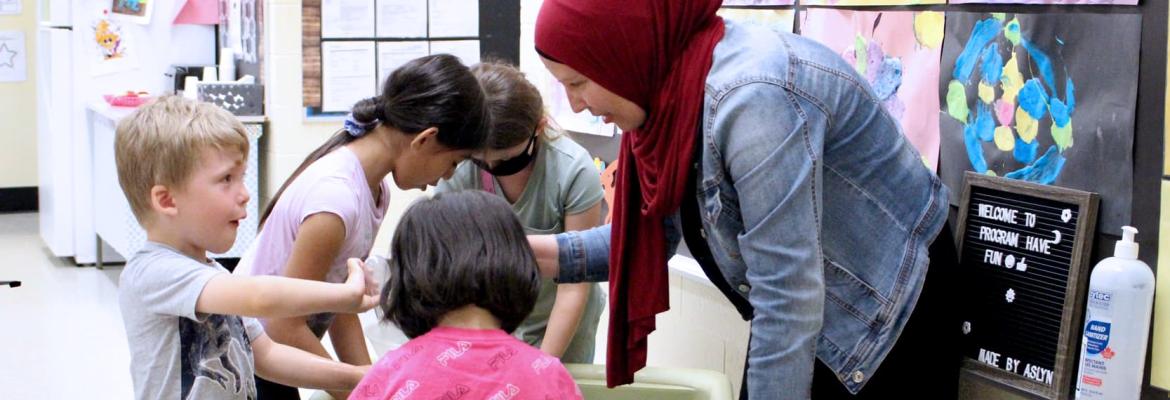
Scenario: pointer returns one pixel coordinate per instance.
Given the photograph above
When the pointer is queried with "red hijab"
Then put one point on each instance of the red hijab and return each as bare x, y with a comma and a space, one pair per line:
656, 54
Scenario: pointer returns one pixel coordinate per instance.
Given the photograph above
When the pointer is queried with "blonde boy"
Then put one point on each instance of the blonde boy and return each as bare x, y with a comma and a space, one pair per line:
181, 165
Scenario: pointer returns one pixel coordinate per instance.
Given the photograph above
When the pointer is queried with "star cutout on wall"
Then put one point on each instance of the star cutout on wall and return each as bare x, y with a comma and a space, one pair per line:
7, 56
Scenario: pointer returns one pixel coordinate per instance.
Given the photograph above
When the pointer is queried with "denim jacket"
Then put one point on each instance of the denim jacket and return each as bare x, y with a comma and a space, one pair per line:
815, 207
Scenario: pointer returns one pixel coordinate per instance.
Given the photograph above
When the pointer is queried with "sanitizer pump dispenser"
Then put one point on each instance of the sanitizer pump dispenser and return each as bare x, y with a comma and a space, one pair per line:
1117, 325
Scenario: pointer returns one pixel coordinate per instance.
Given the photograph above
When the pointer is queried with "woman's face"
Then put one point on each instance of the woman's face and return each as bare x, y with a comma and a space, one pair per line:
584, 94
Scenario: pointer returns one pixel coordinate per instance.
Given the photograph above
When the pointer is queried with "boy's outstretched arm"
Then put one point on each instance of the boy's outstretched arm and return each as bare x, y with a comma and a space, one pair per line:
291, 366
274, 296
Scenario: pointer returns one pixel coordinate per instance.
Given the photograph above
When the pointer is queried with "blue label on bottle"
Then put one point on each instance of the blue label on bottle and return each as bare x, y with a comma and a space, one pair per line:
1096, 336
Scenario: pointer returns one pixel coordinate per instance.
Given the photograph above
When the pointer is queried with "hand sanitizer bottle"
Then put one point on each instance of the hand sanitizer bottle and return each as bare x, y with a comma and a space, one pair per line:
1117, 325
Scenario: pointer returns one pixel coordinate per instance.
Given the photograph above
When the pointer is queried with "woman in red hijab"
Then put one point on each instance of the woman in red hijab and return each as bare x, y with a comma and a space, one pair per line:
793, 187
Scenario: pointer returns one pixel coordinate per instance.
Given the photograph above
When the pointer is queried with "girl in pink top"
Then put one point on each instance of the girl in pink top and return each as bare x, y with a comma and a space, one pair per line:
429, 117
462, 278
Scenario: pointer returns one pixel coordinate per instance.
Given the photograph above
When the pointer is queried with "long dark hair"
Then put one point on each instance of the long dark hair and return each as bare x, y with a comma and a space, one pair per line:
459, 248
432, 91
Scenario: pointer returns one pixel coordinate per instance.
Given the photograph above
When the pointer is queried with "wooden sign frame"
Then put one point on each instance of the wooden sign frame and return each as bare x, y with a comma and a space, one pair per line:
1068, 344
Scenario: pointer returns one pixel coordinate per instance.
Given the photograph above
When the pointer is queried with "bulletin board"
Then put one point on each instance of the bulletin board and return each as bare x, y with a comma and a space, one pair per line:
1107, 135
350, 46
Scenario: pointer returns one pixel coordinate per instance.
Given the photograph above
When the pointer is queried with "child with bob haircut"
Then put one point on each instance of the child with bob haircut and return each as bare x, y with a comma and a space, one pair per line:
462, 278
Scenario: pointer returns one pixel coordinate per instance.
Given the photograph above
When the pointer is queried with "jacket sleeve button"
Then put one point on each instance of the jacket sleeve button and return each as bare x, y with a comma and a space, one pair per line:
858, 377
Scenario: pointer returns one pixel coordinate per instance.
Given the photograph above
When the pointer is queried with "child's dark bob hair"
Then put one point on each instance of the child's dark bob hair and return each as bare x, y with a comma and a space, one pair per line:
455, 249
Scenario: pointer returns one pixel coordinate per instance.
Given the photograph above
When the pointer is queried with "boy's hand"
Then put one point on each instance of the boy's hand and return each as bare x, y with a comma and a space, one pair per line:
361, 281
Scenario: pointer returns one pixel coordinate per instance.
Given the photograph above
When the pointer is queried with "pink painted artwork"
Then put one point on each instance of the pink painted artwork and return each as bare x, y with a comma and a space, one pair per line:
898, 54
1072, 2
852, 3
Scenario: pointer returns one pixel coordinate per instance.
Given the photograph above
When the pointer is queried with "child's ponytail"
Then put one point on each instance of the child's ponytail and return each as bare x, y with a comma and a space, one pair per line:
432, 91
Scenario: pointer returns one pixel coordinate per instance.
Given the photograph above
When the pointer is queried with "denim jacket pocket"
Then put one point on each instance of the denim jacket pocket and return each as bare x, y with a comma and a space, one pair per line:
721, 213
849, 295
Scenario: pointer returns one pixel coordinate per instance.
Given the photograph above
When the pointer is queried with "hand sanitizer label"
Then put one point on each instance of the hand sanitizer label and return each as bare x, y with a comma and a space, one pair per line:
1100, 301
1097, 337
1094, 358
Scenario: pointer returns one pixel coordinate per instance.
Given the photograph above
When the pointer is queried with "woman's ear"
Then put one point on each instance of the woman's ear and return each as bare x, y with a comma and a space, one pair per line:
427, 137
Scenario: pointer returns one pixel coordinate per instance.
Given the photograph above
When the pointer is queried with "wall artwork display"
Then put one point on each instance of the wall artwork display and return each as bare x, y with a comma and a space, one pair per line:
897, 52
1043, 98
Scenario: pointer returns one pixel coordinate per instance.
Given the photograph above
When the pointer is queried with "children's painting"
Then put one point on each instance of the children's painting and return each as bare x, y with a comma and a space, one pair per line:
1093, 2
1042, 98
108, 36
853, 3
781, 20
110, 50
131, 10
898, 54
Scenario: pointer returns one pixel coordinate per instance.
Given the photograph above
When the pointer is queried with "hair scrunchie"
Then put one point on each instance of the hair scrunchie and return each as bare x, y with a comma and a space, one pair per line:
358, 129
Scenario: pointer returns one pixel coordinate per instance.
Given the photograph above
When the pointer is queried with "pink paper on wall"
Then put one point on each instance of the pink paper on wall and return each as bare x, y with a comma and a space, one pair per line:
199, 12
869, 2
1094, 2
897, 52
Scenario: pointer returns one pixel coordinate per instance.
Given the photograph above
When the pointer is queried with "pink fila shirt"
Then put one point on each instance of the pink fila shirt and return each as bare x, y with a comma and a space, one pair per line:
452, 363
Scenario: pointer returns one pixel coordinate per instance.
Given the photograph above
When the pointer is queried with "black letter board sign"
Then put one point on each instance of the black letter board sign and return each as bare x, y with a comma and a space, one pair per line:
1023, 251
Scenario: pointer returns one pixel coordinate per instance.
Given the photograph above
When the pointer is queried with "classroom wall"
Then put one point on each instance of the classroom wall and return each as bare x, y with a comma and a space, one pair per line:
18, 113
1160, 343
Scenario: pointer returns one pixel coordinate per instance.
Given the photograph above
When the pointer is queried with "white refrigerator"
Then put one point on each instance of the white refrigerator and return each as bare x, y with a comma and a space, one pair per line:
73, 72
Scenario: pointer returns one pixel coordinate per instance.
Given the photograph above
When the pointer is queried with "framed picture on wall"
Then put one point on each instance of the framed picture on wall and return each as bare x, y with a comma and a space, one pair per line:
137, 11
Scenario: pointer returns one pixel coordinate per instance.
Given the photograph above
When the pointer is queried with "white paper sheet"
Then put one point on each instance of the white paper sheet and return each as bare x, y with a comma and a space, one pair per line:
392, 55
13, 59
9, 7
466, 50
348, 74
454, 18
110, 48
402, 19
347, 18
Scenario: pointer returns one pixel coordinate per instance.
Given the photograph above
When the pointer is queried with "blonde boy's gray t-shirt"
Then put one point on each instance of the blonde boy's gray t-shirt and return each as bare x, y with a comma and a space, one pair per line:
176, 353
